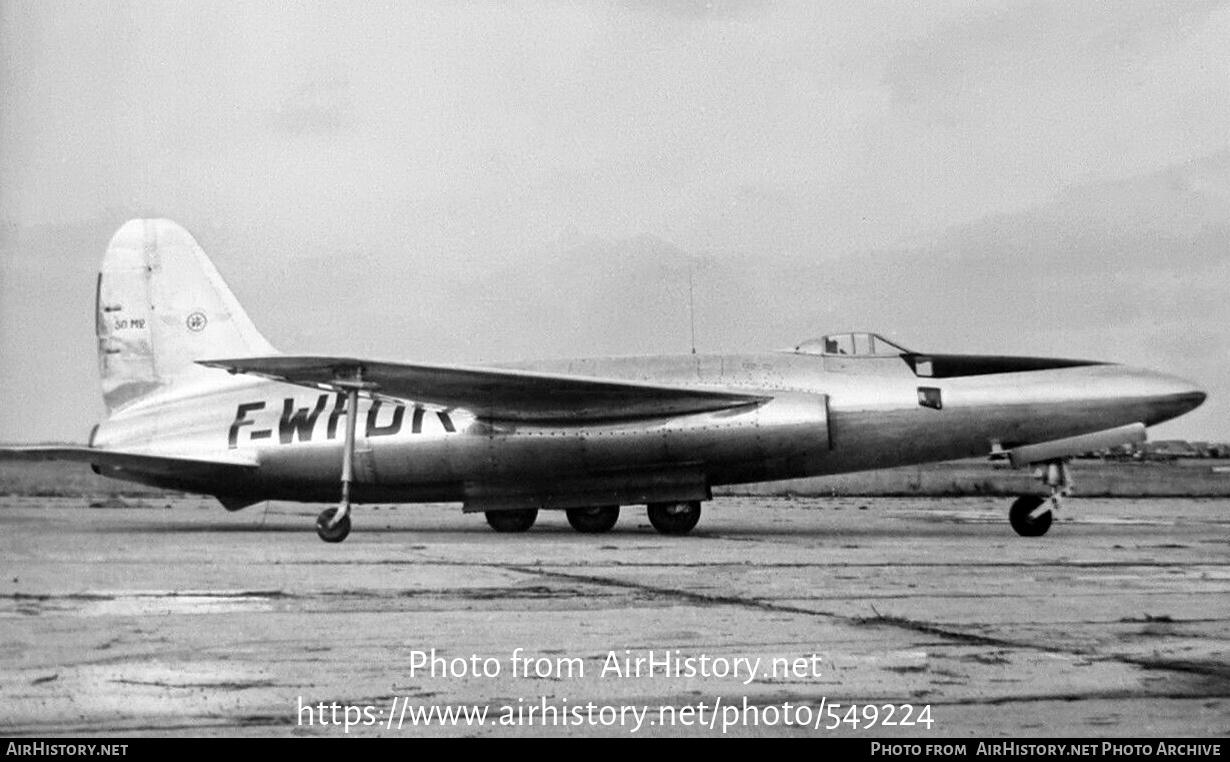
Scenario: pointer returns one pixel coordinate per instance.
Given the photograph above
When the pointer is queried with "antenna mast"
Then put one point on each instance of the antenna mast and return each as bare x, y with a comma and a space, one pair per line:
691, 303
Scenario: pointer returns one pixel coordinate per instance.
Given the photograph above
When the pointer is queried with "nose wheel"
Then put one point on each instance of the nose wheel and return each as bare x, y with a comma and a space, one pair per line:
1030, 516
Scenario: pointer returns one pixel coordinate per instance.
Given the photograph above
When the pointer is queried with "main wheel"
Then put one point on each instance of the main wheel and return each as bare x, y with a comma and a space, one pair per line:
1024, 521
512, 521
335, 533
674, 518
593, 520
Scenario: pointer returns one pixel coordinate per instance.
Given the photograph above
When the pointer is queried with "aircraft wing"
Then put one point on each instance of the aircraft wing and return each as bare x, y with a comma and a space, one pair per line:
147, 464
494, 393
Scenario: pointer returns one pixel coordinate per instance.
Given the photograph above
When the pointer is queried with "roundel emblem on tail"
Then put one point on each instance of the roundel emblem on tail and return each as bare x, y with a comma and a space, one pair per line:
197, 322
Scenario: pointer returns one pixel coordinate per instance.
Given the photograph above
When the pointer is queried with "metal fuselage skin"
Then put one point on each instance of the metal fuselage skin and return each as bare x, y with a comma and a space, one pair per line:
828, 414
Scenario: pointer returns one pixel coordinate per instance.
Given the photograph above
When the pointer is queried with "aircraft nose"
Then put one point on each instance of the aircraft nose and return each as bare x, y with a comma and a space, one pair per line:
1169, 396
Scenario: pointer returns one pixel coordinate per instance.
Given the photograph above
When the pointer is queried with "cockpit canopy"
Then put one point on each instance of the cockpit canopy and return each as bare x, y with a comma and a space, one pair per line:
851, 344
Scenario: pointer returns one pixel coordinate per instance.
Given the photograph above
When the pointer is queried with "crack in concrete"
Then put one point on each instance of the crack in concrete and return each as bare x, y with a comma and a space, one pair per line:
1217, 672
787, 564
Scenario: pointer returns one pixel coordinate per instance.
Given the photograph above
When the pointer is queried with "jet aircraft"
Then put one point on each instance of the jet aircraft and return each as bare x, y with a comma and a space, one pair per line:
197, 400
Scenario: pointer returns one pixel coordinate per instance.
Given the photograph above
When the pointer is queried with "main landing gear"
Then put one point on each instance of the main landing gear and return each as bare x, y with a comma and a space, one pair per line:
333, 524
512, 521
1031, 515
594, 520
676, 518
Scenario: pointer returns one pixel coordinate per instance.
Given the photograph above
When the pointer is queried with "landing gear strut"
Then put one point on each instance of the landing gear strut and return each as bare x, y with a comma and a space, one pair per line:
674, 518
333, 524
1030, 515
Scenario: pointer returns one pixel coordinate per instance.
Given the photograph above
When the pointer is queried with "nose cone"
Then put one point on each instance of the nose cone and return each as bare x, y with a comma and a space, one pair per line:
1167, 396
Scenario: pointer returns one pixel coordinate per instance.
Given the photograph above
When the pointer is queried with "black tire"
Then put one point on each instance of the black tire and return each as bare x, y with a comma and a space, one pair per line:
674, 518
1025, 524
512, 521
335, 533
594, 519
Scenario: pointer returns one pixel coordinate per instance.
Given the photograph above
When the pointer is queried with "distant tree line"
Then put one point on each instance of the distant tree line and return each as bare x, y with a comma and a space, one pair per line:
1170, 449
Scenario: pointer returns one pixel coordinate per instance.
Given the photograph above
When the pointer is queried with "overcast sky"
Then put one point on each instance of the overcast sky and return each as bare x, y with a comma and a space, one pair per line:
423, 146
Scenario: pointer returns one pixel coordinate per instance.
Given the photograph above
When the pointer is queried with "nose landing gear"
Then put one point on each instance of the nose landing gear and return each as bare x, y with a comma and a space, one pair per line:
1030, 515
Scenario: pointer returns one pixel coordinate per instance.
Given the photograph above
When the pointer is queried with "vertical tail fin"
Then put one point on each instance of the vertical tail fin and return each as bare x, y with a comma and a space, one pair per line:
162, 306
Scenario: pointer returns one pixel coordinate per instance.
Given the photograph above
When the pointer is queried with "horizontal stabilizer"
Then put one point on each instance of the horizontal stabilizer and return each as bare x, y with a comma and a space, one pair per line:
494, 393
161, 465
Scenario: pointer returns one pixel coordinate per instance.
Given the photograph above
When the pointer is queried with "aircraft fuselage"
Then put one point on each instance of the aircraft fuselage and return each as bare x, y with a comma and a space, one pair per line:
828, 414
